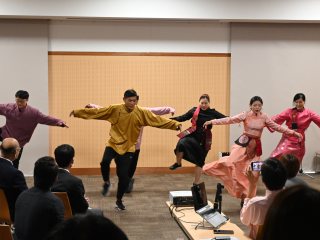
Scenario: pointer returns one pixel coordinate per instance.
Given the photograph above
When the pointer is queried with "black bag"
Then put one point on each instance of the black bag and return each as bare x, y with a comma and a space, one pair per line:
243, 140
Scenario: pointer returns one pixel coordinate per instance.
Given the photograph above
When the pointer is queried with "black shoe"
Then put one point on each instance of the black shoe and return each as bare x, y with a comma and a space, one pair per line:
106, 189
120, 206
175, 166
130, 186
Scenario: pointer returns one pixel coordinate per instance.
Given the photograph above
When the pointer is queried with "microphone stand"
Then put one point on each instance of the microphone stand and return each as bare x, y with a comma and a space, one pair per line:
218, 199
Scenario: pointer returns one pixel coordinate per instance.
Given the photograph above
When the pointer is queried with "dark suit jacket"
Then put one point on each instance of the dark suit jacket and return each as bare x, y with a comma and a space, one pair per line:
12, 182
66, 182
37, 213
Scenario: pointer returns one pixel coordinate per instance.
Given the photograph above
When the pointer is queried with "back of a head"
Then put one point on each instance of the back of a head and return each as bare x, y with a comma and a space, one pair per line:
87, 227
45, 173
294, 214
22, 94
273, 174
291, 164
9, 148
64, 155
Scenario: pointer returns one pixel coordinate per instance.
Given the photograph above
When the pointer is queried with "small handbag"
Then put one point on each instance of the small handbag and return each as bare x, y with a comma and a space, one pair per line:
243, 140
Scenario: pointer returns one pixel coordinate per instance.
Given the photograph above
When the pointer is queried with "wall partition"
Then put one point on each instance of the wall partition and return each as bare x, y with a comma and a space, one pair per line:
24, 65
176, 80
276, 61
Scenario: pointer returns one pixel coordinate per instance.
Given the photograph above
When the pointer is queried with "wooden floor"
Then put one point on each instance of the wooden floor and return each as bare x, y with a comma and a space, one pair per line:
147, 217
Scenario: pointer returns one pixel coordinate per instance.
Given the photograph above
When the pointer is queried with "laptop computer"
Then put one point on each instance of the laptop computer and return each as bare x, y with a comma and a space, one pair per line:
207, 212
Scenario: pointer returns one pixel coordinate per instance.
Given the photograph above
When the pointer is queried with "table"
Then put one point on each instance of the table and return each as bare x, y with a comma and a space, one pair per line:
192, 224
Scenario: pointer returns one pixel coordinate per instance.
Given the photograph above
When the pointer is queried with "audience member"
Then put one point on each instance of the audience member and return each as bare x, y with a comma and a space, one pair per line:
292, 165
12, 180
254, 209
66, 182
294, 214
37, 209
87, 227
22, 119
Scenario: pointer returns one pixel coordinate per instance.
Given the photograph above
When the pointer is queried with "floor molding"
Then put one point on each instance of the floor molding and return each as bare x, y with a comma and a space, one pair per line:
141, 170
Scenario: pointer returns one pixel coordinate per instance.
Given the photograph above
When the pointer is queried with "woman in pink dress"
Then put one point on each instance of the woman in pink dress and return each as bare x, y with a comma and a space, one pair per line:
231, 169
298, 119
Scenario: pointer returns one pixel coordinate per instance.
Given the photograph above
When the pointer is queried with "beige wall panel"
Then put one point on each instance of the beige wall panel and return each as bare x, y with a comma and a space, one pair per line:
176, 81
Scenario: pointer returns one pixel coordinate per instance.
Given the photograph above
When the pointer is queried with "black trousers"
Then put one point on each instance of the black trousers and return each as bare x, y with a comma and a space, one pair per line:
134, 162
123, 164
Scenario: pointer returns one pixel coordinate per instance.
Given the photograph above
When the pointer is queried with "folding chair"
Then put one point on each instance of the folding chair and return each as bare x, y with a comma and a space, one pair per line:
4, 209
65, 200
5, 232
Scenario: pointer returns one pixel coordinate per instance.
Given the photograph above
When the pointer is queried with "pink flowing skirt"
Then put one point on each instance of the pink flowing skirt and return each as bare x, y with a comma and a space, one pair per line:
231, 170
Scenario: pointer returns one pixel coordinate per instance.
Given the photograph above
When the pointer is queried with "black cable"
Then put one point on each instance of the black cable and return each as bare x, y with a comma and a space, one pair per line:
184, 215
210, 227
184, 208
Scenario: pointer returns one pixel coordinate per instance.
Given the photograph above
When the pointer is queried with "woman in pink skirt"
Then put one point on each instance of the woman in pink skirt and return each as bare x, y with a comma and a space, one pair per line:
298, 119
231, 169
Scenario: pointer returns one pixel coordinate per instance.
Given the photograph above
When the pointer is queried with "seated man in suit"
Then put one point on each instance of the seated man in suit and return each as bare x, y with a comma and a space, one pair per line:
38, 210
70, 184
12, 180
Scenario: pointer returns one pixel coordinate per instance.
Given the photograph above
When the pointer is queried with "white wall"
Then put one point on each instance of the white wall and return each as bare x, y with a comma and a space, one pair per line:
276, 61
24, 65
271, 60
139, 37
24, 47
225, 10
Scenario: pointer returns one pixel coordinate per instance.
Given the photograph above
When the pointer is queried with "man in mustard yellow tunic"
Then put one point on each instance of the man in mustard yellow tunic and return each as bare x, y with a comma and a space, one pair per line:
126, 121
